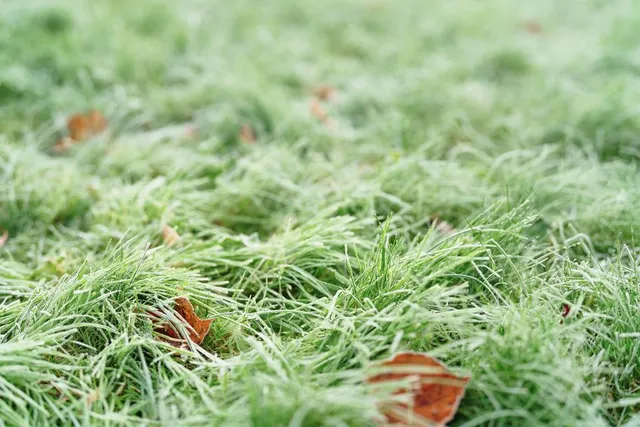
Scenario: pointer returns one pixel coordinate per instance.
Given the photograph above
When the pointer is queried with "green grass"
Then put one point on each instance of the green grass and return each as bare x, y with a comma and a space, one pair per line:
320, 250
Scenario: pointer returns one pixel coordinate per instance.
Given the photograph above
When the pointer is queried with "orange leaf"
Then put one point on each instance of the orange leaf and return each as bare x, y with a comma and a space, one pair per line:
170, 235
324, 93
198, 328
247, 135
436, 391
85, 126
4, 238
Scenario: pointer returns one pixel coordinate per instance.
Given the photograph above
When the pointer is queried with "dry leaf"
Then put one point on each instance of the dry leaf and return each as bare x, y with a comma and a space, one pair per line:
247, 135
169, 235
198, 328
318, 111
325, 93
532, 27
93, 396
85, 126
4, 238
436, 391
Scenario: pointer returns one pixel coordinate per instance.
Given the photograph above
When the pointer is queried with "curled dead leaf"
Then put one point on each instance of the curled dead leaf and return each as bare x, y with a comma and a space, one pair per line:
4, 238
324, 93
198, 328
85, 126
169, 235
247, 135
436, 391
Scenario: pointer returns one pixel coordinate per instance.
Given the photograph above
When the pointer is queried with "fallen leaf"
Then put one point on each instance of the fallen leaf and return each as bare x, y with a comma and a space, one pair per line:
532, 27
198, 328
566, 309
169, 235
93, 396
319, 112
4, 238
247, 135
85, 126
324, 93
436, 391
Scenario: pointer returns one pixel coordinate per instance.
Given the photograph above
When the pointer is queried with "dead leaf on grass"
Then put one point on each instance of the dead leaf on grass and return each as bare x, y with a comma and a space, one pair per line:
247, 135
169, 235
198, 328
85, 126
436, 391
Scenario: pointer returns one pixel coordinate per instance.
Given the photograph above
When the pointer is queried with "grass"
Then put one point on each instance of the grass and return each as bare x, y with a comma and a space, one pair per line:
475, 178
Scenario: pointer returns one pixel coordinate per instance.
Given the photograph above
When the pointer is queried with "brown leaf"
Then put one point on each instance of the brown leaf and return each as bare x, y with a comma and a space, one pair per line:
198, 328
532, 27
169, 235
319, 112
436, 391
324, 93
85, 126
247, 135
4, 238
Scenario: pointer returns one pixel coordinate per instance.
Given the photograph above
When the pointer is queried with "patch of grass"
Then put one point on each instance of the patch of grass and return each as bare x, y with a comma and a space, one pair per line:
474, 178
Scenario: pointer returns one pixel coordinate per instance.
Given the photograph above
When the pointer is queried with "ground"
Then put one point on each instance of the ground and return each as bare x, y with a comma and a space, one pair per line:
470, 190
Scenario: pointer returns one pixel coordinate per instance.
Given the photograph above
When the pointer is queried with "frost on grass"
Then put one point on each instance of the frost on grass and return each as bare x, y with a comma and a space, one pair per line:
317, 249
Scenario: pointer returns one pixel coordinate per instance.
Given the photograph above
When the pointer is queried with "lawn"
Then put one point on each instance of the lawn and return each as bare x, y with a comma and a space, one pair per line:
469, 188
